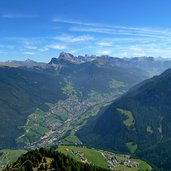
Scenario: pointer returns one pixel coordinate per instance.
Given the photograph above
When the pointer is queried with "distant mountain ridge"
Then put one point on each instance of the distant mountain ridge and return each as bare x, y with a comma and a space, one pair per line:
153, 66
27, 63
72, 59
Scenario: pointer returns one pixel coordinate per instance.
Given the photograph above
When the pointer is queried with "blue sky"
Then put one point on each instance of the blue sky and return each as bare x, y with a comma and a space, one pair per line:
41, 29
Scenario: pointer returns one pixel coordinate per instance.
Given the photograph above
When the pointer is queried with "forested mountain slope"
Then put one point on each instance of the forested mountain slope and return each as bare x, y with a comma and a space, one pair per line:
138, 122
36, 99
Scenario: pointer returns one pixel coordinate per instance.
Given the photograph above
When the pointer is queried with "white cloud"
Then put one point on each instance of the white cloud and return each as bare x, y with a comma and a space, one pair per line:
93, 38
56, 46
104, 43
104, 52
28, 53
44, 49
79, 26
139, 32
73, 39
74, 22
16, 15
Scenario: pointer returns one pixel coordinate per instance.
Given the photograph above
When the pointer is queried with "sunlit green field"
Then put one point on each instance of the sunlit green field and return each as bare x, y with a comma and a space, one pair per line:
96, 157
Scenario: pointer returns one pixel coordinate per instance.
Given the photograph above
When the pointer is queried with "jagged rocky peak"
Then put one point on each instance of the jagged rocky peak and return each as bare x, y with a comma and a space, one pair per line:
54, 61
68, 57
64, 57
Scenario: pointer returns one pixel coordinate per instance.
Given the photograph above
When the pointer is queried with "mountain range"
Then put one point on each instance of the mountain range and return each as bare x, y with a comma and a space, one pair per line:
100, 101
26, 89
153, 66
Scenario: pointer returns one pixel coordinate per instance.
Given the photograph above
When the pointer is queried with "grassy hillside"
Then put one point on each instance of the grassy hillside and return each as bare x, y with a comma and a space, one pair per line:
104, 159
71, 158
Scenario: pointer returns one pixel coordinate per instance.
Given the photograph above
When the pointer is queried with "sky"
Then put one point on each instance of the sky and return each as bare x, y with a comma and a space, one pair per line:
41, 29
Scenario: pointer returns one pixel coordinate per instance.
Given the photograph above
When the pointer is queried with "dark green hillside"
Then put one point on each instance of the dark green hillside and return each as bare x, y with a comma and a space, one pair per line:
45, 104
21, 92
139, 122
45, 159
87, 86
91, 76
26, 90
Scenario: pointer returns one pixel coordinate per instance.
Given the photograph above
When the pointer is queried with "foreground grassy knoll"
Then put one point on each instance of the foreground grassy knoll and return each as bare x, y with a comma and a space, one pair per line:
69, 158
45, 159
104, 159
